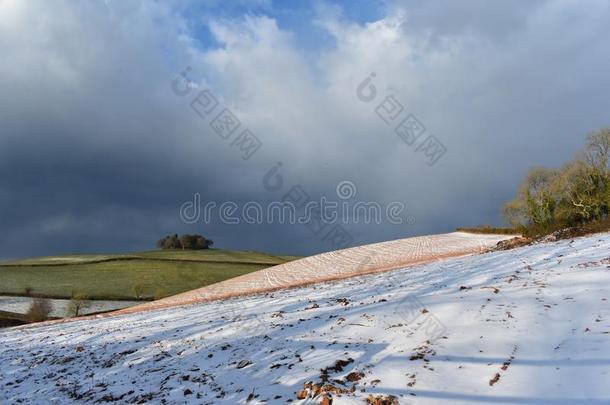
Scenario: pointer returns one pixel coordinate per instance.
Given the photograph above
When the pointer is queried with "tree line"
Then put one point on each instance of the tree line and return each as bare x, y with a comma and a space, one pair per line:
576, 194
185, 242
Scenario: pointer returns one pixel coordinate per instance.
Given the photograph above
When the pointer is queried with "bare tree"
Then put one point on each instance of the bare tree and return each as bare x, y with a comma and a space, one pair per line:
39, 310
78, 302
598, 149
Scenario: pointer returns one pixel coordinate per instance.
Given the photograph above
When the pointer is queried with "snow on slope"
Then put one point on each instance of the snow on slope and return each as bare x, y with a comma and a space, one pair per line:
335, 265
526, 326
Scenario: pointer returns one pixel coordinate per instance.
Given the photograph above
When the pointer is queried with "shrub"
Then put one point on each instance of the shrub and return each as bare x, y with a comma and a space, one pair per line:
160, 293
138, 289
39, 310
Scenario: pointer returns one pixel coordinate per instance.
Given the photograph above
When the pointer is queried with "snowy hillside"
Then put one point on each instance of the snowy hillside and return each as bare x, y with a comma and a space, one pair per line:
339, 264
525, 326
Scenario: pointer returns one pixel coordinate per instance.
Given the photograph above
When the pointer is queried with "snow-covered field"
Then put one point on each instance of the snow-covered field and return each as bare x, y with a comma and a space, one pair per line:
61, 307
525, 326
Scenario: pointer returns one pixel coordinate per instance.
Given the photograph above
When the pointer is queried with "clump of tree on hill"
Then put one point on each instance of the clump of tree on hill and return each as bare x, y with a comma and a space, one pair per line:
576, 194
184, 242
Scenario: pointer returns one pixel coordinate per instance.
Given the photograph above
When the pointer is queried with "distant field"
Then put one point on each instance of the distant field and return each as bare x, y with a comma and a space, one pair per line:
145, 275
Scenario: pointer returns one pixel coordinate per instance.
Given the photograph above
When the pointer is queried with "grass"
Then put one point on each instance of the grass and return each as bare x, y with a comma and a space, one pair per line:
233, 256
487, 229
140, 276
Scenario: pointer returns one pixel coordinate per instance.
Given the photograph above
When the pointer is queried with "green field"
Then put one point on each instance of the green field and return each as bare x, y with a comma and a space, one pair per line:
145, 276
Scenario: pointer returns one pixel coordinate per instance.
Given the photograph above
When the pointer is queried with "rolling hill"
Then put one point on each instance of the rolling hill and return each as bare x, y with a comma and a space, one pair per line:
139, 276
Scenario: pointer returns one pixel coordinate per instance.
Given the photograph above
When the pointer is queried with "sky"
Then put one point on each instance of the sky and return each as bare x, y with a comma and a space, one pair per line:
105, 134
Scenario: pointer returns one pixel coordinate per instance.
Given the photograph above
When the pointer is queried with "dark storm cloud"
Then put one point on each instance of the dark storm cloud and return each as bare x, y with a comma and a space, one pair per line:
97, 154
